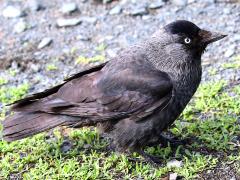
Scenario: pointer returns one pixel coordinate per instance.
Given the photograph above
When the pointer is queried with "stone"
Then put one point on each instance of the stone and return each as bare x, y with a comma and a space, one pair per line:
45, 42
66, 146
12, 12
83, 38
173, 176
20, 27
68, 8
191, 1
107, 1
111, 53
115, 10
229, 52
174, 163
156, 5
87, 19
34, 67
86, 146
68, 22
138, 11
236, 37
35, 5
211, 1
180, 2
146, 17
227, 11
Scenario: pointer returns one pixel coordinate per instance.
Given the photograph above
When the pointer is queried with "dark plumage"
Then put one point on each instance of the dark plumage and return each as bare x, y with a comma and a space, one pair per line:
133, 97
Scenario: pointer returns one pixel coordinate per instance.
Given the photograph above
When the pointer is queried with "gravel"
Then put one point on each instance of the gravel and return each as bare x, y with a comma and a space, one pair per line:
20, 27
174, 163
35, 5
180, 2
62, 22
156, 5
87, 19
173, 176
45, 42
12, 12
116, 24
68, 8
139, 10
115, 10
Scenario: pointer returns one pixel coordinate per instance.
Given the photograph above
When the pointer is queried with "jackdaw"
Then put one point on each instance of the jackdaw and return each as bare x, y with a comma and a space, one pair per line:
133, 97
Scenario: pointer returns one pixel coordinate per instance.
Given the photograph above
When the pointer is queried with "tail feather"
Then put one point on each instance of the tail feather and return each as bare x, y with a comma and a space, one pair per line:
21, 125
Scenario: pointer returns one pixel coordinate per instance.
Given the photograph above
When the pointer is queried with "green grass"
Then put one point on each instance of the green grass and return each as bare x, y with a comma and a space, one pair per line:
234, 64
211, 121
3, 81
51, 67
100, 57
11, 94
85, 60
212, 71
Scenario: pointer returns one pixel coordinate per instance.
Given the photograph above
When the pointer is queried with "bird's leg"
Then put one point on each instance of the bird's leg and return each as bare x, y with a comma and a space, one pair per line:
172, 142
149, 158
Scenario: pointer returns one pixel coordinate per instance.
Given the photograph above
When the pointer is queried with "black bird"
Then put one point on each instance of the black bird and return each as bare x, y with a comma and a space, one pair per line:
133, 97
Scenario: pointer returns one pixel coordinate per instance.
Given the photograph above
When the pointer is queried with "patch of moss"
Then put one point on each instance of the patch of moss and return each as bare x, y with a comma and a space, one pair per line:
85, 60
51, 67
210, 120
12, 93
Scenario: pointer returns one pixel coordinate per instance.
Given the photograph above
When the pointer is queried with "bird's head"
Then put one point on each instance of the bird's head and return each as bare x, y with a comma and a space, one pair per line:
185, 36
178, 47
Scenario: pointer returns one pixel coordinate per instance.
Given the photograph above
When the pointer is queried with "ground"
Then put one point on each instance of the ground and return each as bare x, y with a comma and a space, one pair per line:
211, 121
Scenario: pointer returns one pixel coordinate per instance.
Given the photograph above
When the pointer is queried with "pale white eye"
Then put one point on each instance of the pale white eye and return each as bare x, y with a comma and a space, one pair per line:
187, 40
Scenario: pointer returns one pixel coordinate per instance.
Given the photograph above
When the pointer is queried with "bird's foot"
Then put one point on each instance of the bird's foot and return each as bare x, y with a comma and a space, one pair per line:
172, 142
155, 161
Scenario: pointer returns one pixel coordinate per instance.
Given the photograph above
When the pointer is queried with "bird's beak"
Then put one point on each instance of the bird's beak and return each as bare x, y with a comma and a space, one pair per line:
209, 37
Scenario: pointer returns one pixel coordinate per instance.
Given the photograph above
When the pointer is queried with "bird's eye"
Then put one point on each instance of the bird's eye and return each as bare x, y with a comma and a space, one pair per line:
187, 40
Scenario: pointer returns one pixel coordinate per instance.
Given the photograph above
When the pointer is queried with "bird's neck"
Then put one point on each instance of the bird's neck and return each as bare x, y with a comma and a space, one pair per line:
183, 68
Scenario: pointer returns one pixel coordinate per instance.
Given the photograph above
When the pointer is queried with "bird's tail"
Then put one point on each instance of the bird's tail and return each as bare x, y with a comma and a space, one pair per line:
21, 125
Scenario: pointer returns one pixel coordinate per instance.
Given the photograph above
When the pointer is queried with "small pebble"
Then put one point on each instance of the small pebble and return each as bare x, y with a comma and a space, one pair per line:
115, 10
45, 42
22, 155
83, 38
35, 5
229, 52
139, 11
66, 146
68, 22
146, 17
68, 8
87, 19
174, 163
173, 176
111, 53
236, 37
20, 27
34, 67
86, 146
107, 1
156, 5
227, 11
191, 1
12, 12
180, 2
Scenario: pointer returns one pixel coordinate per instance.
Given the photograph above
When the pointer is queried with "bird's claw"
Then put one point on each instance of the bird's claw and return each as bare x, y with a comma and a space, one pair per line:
172, 142
155, 161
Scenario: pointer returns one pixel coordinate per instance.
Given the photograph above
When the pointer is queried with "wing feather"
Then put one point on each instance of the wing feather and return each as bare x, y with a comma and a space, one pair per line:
135, 91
